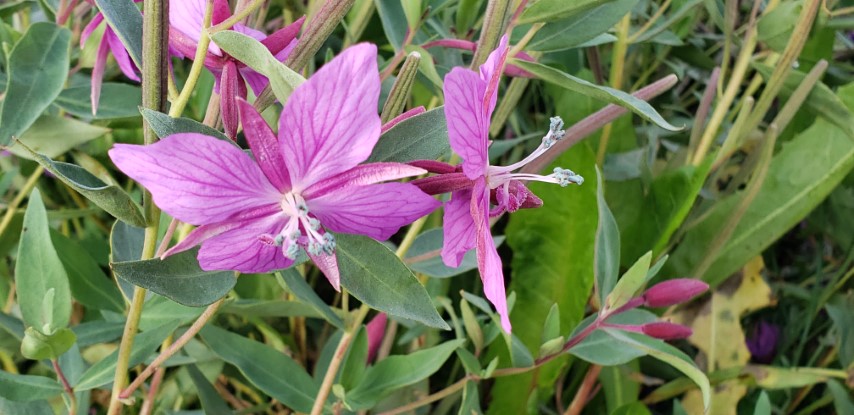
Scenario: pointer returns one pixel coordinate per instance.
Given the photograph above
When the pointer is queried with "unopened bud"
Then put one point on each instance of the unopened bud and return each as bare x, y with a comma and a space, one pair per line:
673, 292
376, 332
666, 331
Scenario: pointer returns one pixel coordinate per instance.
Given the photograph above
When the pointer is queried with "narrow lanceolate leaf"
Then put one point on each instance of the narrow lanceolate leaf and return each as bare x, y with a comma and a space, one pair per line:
269, 369
377, 277
109, 197
212, 403
422, 137
550, 10
395, 372
26, 388
126, 20
607, 257
668, 354
39, 271
800, 176
89, 285
36, 69
144, 344
582, 27
117, 101
629, 283
601, 349
283, 80
177, 277
9, 407
53, 135
164, 125
610, 95
297, 285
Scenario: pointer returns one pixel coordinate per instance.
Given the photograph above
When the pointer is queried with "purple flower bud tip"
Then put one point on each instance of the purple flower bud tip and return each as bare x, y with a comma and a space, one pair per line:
673, 292
376, 333
666, 331
762, 342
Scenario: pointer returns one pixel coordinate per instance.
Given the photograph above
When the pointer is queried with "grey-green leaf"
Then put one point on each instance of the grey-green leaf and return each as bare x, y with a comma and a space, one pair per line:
52, 135
575, 30
27, 388
89, 285
39, 270
269, 369
117, 101
422, 137
212, 403
377, 277
177, 277
125, 19
611, 95
551, 10
297, 285
36, 70
164, 125
109, 197
607, 253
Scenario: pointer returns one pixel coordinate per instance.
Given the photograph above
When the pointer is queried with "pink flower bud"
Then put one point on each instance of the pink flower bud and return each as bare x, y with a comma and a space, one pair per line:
666, 331
376, 333
673, 291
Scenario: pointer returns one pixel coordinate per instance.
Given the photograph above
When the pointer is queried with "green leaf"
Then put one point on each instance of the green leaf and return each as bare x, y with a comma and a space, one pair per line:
38, 271
763, 405
800, 176
126, 242
551, 329
672, 18
268, 369
212, 403
395, 372
126, 21
775, 27
611, 95
467, 13
629, 283
8, 407
821, 101
424, 257
53, 136
356, 361
601, 349
541, 239
164, 125
634, 408
269, 308
27, 388
551, 10
117, 101
842, 401
582, 27
98, 331
297, 285
37, 345
668, 354
145, 343
470, 404
36, 70
607, 253
89, 285
177, 277
393, 20
109, 197
377, 277
422, 137
283, 80
9, 9
840, 309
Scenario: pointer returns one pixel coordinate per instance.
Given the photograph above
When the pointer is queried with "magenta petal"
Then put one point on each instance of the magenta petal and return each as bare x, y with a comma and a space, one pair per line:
240, 249
458, 228
87, 31
98, 74
468, 125
283, 37
231, 87
330, 122
121, 54
361, 175
255, 80
490, 72
205, 232
195, 178
187, 17
376, 210
221, 11
265, 146
328, 265
488, 261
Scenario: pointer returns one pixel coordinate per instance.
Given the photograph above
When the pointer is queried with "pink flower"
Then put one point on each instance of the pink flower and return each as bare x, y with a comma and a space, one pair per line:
470, 98
186, 18
109, 43
255, 215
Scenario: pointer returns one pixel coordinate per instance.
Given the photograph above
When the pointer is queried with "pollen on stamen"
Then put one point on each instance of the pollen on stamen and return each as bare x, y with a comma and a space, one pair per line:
555, 133
565, 177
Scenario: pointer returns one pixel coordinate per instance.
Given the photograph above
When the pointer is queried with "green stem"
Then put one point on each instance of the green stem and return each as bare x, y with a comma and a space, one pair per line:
154, 90
72, 398
618, 63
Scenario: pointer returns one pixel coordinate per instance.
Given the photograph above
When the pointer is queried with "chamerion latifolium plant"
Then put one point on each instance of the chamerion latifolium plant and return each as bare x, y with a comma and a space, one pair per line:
426, 207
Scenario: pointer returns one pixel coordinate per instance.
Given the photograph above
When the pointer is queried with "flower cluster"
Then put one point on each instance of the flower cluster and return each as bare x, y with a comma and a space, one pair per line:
307, 182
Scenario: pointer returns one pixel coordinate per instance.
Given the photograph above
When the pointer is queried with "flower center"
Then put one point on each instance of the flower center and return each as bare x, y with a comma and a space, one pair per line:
301, 229
497, 176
